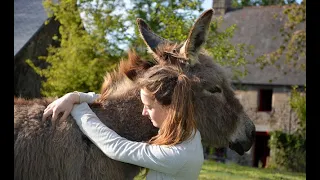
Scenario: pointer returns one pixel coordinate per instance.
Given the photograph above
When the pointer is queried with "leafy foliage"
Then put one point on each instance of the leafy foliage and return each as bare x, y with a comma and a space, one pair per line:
82, 58
293, 33
226, 53
298, 104
288, 151
169, 19
173, 20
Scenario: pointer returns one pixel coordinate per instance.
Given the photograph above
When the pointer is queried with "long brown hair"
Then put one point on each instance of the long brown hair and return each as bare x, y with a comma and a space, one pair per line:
171, 88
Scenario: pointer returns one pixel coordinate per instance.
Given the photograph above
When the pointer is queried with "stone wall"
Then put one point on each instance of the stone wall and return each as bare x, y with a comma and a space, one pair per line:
27, 83
280, 118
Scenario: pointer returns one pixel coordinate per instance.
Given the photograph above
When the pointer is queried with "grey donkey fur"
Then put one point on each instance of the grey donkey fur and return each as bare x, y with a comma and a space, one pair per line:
61, 151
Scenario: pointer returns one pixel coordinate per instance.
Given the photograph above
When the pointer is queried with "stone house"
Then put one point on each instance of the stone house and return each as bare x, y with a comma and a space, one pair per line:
266, 102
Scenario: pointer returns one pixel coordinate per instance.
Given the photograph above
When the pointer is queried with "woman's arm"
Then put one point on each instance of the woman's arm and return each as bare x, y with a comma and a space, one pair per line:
159, 158
65, 104
89, 97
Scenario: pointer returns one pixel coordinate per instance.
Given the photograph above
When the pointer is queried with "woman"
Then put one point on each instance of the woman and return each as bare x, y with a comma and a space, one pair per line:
174, 153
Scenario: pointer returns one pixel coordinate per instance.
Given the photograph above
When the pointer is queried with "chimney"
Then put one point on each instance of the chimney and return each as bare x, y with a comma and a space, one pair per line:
221, 7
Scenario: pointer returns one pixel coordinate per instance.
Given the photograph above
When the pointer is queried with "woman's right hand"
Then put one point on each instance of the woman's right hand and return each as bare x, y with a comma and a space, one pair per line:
62, 105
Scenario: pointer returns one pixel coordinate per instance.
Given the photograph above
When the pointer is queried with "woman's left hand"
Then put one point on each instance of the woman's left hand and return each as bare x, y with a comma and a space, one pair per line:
62, 105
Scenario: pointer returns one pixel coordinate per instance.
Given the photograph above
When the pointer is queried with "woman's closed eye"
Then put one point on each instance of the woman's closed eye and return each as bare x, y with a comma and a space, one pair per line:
147, 107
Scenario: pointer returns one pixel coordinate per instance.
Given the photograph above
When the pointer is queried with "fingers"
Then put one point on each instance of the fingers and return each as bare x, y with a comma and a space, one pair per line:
48, 111
65, 115
54, 115
46, 114
51, 109
61, 105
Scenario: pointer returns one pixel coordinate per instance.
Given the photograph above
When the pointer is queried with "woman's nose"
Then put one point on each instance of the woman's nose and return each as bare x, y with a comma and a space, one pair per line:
144, 111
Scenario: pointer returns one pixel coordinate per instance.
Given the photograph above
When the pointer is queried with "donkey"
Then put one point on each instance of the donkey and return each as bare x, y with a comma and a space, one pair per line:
43, 150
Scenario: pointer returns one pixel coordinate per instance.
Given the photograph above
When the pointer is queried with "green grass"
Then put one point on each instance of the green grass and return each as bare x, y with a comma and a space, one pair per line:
218, 171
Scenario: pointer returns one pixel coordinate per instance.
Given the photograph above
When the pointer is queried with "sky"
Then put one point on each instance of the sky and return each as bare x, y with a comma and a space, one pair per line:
207, 4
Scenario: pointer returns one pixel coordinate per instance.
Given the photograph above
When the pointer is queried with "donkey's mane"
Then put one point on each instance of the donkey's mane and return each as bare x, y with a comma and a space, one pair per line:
120, 80
168, 53
129, 69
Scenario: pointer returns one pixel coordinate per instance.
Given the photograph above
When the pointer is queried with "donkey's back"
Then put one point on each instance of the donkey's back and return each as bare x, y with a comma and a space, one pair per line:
43, 150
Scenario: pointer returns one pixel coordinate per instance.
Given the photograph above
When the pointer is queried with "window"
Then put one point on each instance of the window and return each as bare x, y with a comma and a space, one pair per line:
265, 100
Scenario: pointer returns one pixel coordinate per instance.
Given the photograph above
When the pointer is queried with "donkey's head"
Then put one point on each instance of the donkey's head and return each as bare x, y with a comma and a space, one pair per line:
220, 116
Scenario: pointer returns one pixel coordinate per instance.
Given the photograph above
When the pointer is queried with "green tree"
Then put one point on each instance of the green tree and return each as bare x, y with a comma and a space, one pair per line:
298, 104
288, 150
82, 58
225, 52
167, 19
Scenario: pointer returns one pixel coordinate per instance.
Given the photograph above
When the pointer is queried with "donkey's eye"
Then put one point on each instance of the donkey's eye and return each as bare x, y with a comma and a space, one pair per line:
215, 89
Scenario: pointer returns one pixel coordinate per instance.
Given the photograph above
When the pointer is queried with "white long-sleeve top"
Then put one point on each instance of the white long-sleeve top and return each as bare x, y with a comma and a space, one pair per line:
182, 161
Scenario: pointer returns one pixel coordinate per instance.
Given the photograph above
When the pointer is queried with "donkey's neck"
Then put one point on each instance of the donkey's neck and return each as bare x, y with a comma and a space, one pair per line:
123, 115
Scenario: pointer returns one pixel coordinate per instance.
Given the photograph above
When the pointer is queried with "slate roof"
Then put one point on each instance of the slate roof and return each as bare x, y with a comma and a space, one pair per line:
29, 16
257, 26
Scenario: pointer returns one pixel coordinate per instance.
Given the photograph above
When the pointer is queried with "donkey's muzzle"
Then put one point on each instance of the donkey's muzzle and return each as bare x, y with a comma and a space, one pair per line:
243, 146
237, 148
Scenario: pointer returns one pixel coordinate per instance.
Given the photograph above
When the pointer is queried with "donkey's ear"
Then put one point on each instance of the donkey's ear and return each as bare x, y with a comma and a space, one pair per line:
151, 39
197, 37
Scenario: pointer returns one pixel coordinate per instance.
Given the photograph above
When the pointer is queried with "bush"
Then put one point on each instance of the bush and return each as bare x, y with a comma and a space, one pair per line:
288, 151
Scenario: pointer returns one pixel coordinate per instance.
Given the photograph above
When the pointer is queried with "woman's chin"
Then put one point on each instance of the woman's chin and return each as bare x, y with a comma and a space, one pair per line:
154, 124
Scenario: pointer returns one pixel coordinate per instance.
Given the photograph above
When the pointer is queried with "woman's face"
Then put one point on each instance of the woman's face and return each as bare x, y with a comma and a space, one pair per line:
156, 112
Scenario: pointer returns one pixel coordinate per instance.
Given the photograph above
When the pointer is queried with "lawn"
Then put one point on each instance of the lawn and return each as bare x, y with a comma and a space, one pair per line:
220, 171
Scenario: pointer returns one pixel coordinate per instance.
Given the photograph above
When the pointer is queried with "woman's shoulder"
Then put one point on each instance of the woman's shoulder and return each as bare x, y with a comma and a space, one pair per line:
196, 136
192, 147
194, 139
